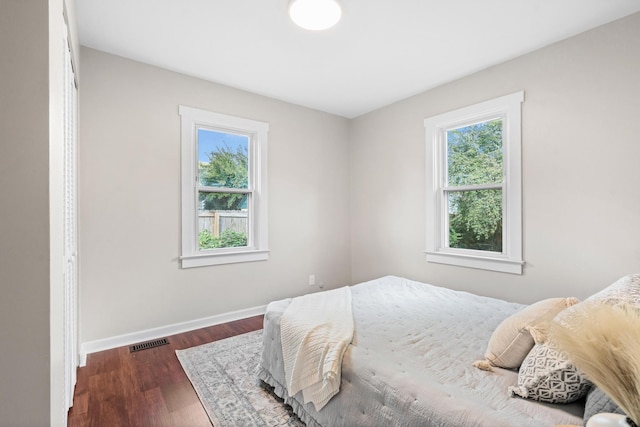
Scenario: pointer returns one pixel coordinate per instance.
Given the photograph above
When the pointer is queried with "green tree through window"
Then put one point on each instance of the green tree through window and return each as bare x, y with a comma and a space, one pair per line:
224, 188
474, 193
226, 168
223, 175
474, 162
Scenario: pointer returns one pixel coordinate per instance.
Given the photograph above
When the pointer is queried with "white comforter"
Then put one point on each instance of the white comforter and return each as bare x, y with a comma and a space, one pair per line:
410, 363
316, 330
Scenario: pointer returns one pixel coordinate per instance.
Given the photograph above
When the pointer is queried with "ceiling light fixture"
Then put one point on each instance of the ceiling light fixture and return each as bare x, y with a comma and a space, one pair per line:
315, 14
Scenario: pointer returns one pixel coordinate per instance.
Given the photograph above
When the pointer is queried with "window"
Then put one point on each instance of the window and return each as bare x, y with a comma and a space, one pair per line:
474, 202
224, 189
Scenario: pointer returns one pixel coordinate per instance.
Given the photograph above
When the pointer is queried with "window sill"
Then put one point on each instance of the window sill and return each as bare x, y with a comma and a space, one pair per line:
502, 265
202, 260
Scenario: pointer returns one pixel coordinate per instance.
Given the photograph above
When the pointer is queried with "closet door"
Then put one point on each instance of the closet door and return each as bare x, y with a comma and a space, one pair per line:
70, 228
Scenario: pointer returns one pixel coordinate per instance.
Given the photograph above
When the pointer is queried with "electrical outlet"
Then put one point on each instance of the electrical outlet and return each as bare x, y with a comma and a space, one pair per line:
312, 280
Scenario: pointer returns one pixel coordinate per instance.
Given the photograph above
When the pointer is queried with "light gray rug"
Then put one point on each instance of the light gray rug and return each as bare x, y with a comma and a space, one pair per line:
223, 373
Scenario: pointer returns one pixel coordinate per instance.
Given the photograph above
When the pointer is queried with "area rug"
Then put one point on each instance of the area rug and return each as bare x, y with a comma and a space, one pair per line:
223, 374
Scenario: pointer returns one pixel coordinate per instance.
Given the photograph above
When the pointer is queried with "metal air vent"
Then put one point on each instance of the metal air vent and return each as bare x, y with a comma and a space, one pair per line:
148, 344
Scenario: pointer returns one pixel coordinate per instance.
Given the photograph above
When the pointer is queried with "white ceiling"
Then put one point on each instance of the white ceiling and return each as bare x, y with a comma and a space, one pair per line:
381, 51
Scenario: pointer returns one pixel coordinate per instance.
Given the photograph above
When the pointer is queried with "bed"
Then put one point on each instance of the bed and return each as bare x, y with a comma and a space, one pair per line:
411, 363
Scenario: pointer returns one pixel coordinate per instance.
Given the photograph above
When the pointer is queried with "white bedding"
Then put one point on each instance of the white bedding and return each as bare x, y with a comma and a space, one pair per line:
410, 363
315, 331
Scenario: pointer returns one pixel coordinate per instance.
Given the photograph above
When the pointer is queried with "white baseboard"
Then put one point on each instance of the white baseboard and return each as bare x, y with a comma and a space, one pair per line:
155, 333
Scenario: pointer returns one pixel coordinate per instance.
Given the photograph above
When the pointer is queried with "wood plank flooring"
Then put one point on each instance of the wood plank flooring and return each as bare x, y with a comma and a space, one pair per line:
146, 388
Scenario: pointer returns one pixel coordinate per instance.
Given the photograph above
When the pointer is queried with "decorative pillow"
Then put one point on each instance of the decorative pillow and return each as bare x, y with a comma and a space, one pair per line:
626, 289
511, 340
598, 401
547, 375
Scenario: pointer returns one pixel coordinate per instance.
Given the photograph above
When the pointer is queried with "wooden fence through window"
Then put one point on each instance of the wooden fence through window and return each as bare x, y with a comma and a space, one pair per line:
218, 221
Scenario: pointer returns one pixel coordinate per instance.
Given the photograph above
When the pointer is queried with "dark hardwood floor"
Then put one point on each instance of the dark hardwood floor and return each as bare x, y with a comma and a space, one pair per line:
146, 388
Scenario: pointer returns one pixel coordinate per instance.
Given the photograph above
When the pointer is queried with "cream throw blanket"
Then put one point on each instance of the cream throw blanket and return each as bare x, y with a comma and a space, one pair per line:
316, 330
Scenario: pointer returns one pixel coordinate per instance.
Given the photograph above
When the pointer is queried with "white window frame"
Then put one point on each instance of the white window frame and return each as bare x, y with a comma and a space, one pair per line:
257, 248
508, 109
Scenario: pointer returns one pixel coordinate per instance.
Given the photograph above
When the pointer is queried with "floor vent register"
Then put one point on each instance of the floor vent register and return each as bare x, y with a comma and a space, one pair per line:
148, 344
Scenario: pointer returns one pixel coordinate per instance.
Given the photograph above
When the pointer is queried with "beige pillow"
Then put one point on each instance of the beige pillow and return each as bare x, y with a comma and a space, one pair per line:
511, 341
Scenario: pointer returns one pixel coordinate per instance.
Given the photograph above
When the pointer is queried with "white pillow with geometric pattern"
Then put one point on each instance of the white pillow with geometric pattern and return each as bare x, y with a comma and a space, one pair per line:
546, 375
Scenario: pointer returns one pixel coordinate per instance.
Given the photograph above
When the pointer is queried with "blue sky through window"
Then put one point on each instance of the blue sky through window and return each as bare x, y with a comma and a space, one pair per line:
209, 141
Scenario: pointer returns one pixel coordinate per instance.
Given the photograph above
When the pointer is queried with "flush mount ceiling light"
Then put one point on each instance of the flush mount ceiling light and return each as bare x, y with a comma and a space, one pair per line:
315, 14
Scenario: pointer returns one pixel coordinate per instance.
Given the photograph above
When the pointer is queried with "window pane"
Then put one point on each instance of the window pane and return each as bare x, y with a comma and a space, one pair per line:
475, 220
222, 159
222, 220
474, 154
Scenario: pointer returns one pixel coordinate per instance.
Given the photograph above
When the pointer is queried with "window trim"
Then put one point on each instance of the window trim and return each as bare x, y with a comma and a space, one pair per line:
191, 120
508, 108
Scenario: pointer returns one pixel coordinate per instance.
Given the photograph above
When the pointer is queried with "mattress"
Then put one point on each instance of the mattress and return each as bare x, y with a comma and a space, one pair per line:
410, 363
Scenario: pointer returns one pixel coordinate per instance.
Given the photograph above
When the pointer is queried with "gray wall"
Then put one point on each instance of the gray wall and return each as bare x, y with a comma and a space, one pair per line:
24, 185
31, 365
581, 189
130, 201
